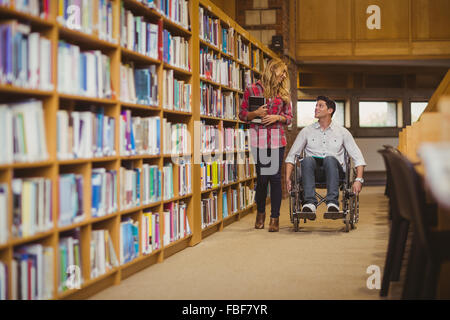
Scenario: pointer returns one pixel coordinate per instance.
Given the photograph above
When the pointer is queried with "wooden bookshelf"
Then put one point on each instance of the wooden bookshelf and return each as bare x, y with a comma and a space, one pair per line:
51, 168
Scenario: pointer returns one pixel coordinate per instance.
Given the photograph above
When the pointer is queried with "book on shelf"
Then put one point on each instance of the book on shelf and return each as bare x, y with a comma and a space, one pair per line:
221, 70
177, 93
229, 169
129, 240
130, 189
246, 196
38, 8
229, 105
229, 143
4, 213
256, 59
209, 27
85, 134
31, 272
224, 204
104, 192
23, 132
26, 57
228, 42
84, 73
209, 64
103, 256
209, 210
241, 139
4, 283
176, 222
139, 85
71, 200
210, 174
175, 138
176, 51
184, 176
156, 231
137, 34
243, 51
6, 135
32, 206
150, 232
69, 261
94, 17
246, 78
229, 73
210, 100
211, 138
234, 201
175, 10
168, 181
151, 184
139, 135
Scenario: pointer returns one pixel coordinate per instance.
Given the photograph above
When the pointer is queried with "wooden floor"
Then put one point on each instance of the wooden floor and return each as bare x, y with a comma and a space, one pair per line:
319, 262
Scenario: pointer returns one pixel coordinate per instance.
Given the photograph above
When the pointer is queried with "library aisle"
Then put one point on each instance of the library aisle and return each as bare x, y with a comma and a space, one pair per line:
319, 262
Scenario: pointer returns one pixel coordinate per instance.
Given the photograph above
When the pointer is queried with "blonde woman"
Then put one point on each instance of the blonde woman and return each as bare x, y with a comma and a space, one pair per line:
267, 137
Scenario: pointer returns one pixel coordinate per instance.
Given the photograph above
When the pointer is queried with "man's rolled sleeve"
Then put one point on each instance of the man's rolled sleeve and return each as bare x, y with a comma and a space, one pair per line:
287, 112
243, 112
297, 147
353, 149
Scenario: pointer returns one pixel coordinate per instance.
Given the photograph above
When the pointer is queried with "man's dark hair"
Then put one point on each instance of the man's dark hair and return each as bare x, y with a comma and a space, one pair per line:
330, 103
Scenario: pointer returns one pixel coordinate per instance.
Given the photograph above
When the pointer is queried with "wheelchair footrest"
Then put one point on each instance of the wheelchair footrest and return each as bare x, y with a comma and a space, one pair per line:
334, 215
306, 215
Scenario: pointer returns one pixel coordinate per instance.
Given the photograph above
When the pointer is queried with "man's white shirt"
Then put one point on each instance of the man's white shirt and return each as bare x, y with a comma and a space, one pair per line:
333, 141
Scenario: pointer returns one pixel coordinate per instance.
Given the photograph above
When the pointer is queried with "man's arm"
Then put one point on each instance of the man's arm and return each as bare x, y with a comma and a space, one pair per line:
357, 186
297, 148
356, 154
289, 169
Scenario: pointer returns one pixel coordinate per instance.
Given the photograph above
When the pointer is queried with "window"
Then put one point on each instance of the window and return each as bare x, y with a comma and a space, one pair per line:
416, 110
373, 114
305, 113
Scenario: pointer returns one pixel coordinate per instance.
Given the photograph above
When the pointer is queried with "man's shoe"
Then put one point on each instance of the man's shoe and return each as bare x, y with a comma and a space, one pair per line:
331, 207
260, 218
332, 212
274, 225
308, 211
309, 207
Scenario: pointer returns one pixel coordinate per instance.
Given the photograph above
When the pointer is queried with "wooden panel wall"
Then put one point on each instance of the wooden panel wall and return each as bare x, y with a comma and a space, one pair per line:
337, 29
323, 20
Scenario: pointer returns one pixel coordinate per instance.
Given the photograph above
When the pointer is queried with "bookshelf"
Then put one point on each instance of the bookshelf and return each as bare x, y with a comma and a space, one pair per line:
116, 164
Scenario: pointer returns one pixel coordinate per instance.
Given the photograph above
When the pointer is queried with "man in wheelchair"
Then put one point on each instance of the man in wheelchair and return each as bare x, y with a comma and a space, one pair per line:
325, 146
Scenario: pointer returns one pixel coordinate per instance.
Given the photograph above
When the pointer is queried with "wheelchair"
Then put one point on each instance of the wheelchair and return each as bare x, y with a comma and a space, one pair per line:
350, 201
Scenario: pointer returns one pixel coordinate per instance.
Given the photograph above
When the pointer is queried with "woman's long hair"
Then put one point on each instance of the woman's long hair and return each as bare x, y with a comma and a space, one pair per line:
269, 81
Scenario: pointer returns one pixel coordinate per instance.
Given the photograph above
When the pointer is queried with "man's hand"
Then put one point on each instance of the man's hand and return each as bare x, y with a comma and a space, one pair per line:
269, 119
288, 184
357, 186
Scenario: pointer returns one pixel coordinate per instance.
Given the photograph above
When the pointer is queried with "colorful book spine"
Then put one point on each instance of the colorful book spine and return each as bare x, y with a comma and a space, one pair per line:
176, 51
83, 73
104, 191
211, 100
32, 206
26, 57
129, 240
71, 202
130, 187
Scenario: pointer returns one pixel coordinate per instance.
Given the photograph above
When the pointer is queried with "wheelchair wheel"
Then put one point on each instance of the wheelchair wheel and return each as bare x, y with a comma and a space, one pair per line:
354, 211
296, 223
347, 222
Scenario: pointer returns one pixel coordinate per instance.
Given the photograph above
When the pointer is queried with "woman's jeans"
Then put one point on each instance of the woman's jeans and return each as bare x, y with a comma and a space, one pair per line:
268, 169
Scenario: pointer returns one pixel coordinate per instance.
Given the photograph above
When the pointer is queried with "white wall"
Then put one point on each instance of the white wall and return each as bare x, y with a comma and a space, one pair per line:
369, 148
